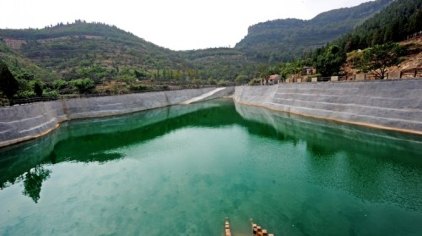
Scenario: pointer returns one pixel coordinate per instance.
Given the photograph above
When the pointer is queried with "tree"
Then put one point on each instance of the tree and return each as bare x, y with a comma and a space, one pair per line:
26, 76
141, 74
38, 88
290, 68
330, 59
33, 182
59, 84
8, 84
241, 79
378, 58
396, 22
83, 85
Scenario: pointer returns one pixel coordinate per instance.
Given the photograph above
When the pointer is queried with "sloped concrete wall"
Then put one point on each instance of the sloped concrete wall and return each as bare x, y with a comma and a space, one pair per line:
24, 122
393, 105
33, 153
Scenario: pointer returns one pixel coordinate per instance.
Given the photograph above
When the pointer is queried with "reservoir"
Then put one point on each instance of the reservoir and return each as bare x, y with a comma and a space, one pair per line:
181, 170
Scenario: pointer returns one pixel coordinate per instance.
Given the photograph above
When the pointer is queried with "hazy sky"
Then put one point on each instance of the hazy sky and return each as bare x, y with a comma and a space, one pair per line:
175, 24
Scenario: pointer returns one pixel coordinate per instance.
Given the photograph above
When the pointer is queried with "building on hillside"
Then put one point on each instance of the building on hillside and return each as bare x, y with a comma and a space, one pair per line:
307, 70
274, 79
271, 80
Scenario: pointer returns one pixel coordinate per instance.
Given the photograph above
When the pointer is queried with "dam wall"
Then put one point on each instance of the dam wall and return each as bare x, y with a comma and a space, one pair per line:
24, 122
391, 104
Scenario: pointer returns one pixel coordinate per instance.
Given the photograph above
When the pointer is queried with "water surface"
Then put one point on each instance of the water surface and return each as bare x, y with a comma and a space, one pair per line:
181, 170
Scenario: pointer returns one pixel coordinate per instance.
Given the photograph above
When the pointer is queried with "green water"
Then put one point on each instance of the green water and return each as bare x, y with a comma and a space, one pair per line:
181, 170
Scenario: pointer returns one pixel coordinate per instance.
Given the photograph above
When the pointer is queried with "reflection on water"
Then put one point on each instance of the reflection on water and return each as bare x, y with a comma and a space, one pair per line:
373, 161
91, 140
199, 163
33, 181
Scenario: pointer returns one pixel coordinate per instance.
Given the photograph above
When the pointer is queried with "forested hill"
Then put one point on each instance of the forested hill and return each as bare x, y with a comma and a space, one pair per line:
75, 29
287, 39
22, 65
102, 52
85, 57
83, 49
396, 22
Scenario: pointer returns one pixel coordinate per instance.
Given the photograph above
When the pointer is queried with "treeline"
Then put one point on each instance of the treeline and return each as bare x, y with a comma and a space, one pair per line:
25, 85
79, 27
288, 39
80, 56
400, 20
120, 62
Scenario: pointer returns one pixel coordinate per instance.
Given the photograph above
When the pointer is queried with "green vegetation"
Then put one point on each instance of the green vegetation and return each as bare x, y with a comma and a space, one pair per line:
400, 17
287, 39
81, 58
378, 58
219, 63
105, 54
329, 60
83, 85
8, 84
396, 22
21, 66
33, 182
38, 88
399, 20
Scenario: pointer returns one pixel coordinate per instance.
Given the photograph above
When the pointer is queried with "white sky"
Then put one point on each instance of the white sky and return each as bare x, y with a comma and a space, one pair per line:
175, 24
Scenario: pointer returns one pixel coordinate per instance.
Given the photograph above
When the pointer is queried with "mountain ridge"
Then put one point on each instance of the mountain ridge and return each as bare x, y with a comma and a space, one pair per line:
104, 52
286, 39
65, 48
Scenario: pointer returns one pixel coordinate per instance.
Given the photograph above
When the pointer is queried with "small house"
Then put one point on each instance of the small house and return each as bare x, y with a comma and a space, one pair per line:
274, 79
306, 70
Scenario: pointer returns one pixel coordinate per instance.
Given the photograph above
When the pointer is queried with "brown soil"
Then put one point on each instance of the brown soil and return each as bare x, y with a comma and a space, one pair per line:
413, 59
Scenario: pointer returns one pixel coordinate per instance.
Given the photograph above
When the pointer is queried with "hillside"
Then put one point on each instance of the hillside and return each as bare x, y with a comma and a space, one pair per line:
84, 49
286, 39
93, 57
21, 66
102, 52
217, 63
397, 22
412, 58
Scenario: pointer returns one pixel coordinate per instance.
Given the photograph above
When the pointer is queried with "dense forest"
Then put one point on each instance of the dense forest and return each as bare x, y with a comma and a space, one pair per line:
82, 57
105, 53
400, 20
397, 22
287, 39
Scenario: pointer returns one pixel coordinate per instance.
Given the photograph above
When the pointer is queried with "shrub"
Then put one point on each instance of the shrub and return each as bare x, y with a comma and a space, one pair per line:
138, 87
60, 84
25, 94
83, 85
222, 83
255, 81
38, 88
8, 84
52, 94
241, 79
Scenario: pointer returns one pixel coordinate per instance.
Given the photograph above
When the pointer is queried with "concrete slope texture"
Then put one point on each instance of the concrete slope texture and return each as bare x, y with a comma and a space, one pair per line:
393, 105
24, 122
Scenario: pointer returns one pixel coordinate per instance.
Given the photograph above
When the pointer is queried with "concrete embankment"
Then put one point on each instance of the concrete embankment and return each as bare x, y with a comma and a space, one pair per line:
391, 105
25, 122
32, 154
